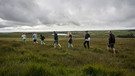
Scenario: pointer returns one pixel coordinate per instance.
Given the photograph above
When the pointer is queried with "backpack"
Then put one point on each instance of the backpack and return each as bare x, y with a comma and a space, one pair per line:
43, 37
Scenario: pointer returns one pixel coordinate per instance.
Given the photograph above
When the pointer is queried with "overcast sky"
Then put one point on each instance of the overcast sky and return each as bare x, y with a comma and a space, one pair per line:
68, 15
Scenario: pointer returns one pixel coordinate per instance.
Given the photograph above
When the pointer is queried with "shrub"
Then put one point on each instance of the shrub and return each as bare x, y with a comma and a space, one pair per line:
6, 48
98, 50
37, 70
15, 44
100, 71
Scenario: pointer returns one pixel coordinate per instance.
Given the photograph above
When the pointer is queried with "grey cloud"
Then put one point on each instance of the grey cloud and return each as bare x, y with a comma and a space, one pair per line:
17, 10
33, 12
7, 23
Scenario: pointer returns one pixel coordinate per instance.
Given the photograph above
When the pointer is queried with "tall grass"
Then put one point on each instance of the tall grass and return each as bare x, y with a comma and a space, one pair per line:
18, 59
97, 70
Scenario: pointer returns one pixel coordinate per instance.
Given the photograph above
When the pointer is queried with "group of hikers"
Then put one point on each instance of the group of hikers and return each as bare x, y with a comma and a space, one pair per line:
111, 40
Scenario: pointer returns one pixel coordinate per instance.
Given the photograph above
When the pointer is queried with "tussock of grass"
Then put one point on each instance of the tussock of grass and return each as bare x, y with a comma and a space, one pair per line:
7, 49
38, 70
98, 50
90, 70
16, 44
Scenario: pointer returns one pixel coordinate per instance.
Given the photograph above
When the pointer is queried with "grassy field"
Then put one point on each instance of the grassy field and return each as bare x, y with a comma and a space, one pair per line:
18, 59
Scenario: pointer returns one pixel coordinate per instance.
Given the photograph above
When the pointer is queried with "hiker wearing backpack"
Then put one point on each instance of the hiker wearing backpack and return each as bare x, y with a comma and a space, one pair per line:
87, 40
111, 41
56, 42
42, 39
70, 40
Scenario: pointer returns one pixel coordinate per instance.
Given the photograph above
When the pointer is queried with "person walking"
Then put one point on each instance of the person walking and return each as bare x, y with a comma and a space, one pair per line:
87, 40
111, 41
24, 38
70, 40
42, 39
34, 36
56, 42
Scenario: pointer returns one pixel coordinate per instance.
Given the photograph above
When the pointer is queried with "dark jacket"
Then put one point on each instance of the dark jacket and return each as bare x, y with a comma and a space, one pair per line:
87, 36
42, 37
70, 39
55, 36
111, 38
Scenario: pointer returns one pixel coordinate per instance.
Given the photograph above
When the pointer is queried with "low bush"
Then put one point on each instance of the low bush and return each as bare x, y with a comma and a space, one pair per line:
100, 71
6, 48
38, 70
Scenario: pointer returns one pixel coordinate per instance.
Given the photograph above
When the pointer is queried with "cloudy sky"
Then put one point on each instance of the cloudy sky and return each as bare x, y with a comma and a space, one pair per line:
68, 15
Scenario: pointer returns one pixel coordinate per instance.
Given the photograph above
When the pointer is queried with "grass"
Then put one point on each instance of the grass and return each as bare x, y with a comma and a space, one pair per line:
97, 70
18, 59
